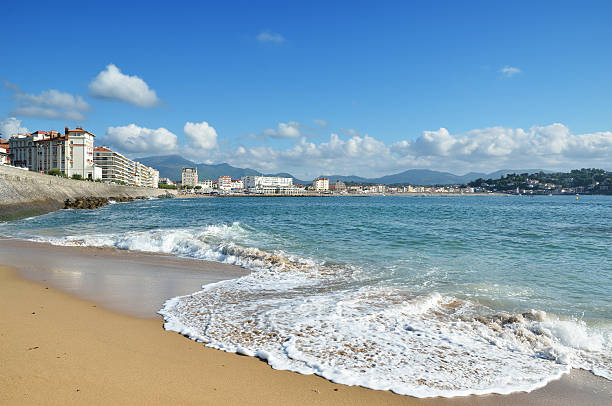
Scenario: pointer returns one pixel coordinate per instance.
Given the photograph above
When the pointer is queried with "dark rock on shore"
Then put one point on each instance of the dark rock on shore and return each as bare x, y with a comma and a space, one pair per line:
96, 202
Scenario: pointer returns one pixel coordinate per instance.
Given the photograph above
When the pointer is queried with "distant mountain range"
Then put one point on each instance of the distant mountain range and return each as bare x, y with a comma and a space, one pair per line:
429, 177
170, 166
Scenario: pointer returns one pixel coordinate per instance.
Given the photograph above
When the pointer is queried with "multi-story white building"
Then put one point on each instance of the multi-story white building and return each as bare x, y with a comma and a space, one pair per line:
81, 144
206, 186
224, 183
189, 177
145, 176
275, 181
42, 151
268, 184
117, 168
320, 184
166, 181
237, 185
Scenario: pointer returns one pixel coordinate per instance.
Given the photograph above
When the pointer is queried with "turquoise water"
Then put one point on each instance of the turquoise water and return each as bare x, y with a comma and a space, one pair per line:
445, 266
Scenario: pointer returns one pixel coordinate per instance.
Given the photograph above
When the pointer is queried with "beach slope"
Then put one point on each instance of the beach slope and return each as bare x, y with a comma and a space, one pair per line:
58, 349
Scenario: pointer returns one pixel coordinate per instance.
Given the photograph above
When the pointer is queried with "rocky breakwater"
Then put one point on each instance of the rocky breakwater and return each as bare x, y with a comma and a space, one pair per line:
27, 194
95, 202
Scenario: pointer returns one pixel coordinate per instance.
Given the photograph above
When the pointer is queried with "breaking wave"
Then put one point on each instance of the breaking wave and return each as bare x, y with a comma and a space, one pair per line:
335, 321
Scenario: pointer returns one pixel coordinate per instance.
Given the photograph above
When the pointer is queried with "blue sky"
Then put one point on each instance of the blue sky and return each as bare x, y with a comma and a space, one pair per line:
364, 88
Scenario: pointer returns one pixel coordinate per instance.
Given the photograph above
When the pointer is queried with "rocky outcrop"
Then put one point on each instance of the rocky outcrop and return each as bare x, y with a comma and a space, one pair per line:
26, 194
95, 202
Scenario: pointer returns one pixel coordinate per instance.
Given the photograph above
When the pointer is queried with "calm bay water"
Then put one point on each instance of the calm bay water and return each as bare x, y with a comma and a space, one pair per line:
425, 296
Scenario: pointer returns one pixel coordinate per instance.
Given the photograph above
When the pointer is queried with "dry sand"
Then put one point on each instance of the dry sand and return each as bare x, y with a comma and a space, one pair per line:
59, 349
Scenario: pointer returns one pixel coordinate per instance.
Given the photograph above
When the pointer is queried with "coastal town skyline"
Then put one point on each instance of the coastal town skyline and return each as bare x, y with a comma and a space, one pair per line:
73, 154
412, 98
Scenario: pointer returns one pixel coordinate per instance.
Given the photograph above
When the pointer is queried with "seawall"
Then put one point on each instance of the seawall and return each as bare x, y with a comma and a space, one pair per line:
25, 194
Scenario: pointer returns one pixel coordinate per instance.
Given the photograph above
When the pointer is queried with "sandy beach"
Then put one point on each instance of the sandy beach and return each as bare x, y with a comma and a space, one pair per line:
79, 327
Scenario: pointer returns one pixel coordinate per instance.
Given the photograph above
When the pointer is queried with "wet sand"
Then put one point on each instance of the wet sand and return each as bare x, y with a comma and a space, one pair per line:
134, 283
103, 343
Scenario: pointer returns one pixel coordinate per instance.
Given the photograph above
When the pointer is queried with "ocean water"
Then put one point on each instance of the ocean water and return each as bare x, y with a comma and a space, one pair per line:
424, 296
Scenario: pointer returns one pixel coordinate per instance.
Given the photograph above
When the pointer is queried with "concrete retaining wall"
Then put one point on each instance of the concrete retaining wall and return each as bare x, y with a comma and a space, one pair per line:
24, 193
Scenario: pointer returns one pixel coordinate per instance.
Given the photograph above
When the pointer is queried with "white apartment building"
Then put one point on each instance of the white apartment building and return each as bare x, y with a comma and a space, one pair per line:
117, 168
320, 184
268, 184
275, 181
189, 177
206, 185
81, 145
70, 153
145, 176
224, 183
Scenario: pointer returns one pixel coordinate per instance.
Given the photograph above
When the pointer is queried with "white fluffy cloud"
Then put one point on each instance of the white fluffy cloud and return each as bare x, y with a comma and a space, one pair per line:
270, 37
200, 136
140, 140
11, 126
320, 123
49, 104
509, 71
284, 130
112, 84
551, 147
354, 155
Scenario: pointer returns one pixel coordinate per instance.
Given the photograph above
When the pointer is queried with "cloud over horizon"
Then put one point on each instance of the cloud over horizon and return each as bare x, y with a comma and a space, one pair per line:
133, 139
51, 104
200, 140
551, 147
112, 84
201, 136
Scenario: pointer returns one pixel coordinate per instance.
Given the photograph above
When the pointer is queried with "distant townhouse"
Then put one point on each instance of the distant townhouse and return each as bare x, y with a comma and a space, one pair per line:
189, 177
320, 184
117, 168
42, 151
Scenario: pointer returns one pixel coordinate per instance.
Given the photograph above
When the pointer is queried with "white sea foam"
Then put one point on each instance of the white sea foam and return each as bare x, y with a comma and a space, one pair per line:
315, 318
